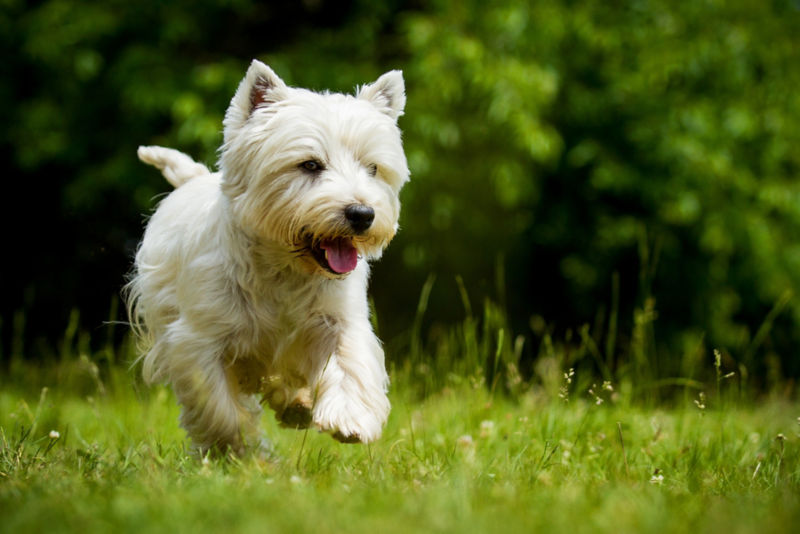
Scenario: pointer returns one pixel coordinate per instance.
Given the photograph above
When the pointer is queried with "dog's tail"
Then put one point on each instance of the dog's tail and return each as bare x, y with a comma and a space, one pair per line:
177, 167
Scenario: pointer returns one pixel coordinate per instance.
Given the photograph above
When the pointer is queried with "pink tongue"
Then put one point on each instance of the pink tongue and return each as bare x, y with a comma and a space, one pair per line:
342, 256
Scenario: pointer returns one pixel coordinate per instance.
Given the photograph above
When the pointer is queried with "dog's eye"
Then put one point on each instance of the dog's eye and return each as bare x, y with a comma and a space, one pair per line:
311, 165
372, 169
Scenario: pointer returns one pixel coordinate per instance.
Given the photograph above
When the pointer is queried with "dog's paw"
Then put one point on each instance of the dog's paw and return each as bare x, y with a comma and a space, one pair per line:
341, 438
350, 420
297, 414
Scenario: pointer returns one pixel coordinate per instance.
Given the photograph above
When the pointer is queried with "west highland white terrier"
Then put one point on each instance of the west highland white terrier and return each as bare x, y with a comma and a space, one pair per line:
251, 283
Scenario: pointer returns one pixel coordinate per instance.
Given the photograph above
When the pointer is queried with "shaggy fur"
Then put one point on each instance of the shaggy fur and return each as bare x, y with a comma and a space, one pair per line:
252, 281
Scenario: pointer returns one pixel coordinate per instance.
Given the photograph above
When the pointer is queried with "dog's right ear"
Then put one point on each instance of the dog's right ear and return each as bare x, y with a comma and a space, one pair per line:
260, 88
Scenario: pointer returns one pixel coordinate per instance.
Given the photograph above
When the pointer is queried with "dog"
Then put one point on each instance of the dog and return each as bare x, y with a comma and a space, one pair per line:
250, 284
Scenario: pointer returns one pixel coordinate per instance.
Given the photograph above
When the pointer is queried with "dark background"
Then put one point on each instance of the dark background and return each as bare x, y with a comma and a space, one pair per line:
579, 163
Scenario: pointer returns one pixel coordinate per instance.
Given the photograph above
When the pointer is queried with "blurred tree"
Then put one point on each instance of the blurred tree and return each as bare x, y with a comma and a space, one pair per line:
552, 144
648, 138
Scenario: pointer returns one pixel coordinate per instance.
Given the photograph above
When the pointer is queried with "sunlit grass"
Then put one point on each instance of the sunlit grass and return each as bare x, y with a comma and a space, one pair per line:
88, 449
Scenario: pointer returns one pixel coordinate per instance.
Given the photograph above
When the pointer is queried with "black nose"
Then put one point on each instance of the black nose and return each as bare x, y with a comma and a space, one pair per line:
360, 217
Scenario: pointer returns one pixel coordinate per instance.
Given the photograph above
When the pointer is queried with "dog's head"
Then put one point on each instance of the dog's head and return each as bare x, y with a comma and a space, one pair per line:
317, 174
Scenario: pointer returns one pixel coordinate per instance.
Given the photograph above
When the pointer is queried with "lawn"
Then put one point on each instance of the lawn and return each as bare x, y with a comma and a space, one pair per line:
88, 448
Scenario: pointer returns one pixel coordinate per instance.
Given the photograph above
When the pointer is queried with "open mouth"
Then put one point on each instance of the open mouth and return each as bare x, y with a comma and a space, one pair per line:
336, 255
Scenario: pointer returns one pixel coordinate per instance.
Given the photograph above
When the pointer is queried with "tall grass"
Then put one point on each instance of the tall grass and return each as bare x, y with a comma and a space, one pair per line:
483, 348
478, 441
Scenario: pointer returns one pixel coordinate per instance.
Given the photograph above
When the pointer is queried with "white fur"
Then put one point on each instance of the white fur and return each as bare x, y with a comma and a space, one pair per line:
225, 294
177, 167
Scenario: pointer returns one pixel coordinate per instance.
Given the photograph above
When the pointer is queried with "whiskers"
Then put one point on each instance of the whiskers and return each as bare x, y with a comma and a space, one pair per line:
301, 250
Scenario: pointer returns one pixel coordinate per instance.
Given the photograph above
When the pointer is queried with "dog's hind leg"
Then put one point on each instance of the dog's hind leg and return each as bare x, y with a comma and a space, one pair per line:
215, 412
177, 167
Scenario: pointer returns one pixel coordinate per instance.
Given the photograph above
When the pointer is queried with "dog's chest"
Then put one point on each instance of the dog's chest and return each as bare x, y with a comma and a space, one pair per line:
292, 331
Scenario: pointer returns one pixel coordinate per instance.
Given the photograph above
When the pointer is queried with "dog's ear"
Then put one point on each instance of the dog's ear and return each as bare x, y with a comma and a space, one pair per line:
387, 93
261, 87
265, 88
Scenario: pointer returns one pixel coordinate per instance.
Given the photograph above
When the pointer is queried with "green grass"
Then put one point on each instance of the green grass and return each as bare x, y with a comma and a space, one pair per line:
463, 458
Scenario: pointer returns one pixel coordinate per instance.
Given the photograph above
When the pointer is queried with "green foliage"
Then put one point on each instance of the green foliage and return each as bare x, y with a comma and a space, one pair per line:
652, 139
630, 166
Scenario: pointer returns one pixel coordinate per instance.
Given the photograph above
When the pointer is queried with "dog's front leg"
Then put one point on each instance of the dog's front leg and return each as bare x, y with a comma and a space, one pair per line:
351, 400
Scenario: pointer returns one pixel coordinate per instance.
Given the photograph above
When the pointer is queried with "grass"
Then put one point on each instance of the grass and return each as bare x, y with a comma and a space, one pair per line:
84, 447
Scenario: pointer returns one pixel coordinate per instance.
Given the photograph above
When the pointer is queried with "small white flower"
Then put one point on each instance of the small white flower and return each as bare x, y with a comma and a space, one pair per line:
657, 479
700, 401
568, 375
487, 428
54, 434
295, 479
465, 441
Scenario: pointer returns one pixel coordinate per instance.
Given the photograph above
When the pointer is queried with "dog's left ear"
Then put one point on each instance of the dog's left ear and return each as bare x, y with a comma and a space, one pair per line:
387, 93
260, 88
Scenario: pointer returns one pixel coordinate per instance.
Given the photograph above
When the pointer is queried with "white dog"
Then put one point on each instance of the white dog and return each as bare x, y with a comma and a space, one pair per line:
253, 281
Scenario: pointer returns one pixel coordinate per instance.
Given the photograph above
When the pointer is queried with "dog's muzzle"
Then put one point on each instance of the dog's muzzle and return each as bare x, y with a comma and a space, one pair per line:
338, 254
359, 217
